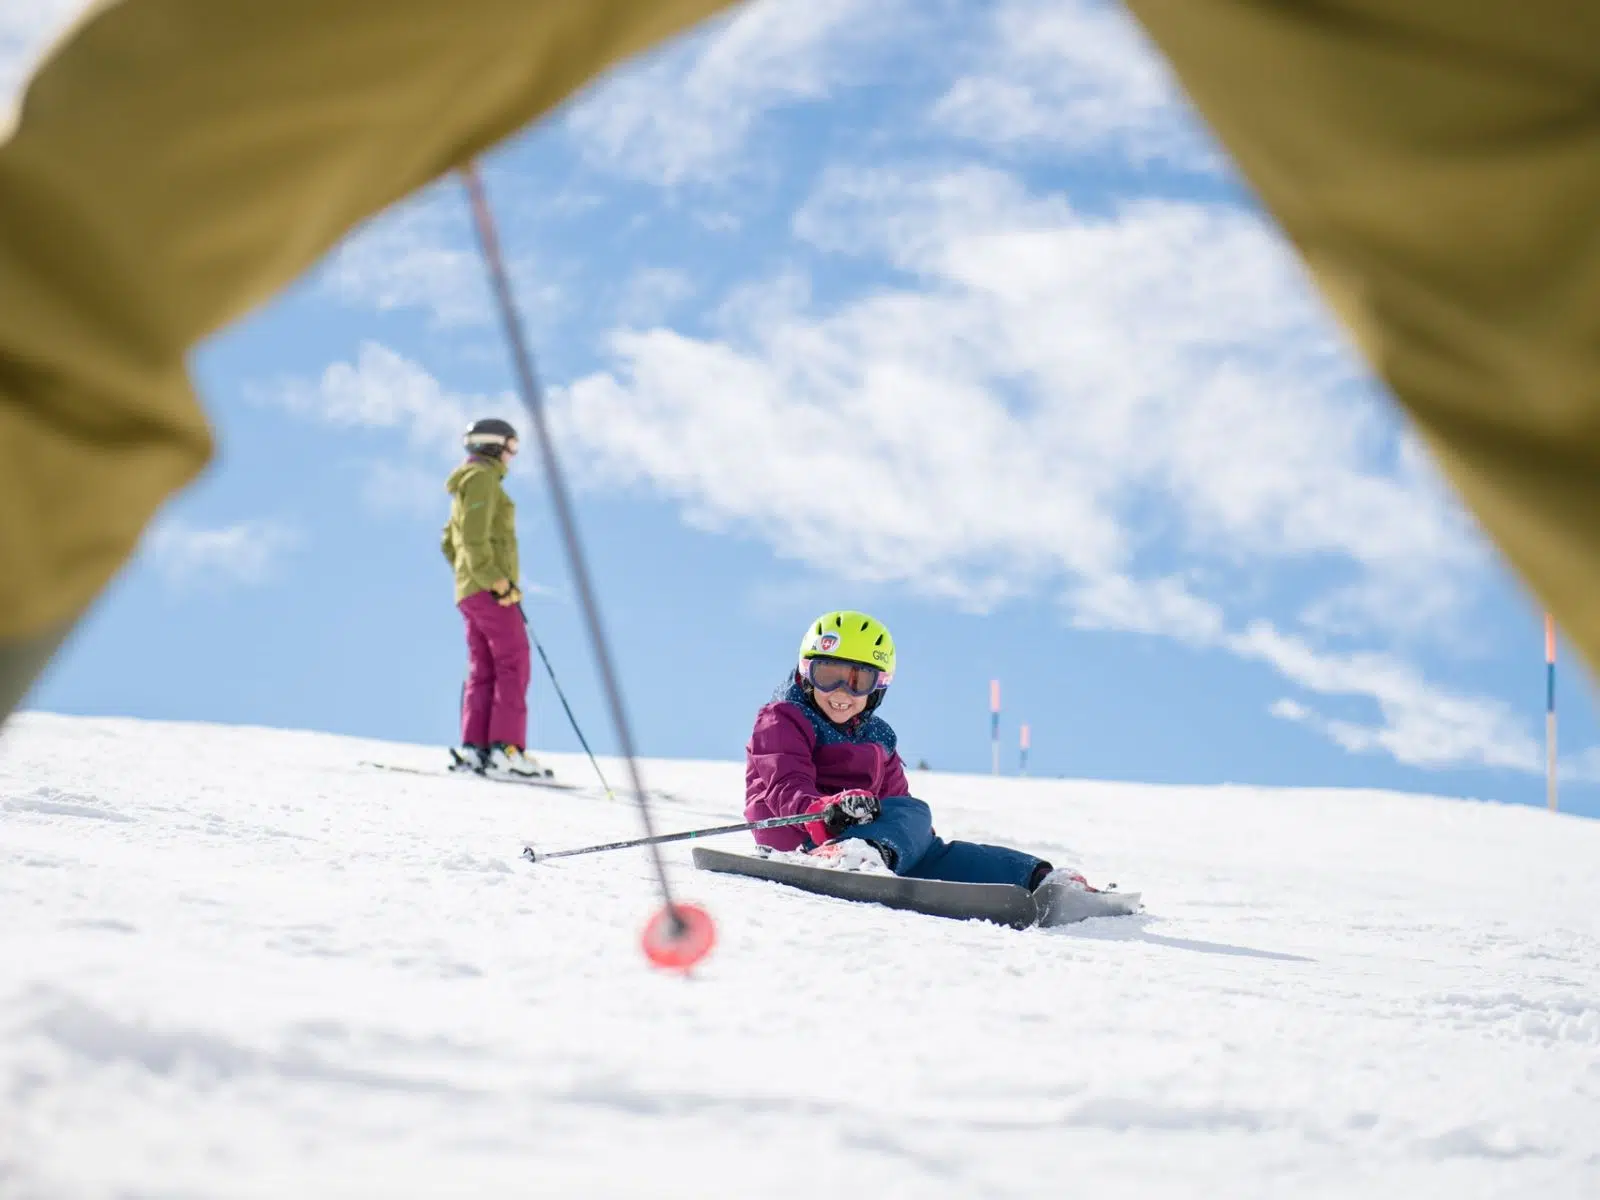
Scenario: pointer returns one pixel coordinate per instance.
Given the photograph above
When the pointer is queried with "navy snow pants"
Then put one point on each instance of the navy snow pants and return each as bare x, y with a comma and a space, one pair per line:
905, 825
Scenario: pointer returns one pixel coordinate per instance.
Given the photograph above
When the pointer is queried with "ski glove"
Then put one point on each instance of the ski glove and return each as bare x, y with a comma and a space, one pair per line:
839, 812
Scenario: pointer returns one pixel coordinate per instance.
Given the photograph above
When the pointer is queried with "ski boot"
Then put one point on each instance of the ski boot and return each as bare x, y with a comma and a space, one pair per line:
509, 762
851, 854
1066, 877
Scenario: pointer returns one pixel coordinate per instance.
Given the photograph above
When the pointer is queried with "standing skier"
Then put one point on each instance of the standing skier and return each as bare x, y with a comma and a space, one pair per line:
820, 747
480, 544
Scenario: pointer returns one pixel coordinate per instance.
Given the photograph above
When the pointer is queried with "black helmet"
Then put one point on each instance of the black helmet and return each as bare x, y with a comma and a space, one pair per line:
490, 436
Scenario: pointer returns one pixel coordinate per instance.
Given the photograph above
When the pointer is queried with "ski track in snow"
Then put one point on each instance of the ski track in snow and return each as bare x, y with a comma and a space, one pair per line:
238, 964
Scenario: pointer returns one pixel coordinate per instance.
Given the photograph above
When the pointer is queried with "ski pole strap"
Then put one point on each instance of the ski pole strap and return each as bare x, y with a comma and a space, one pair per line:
532, 855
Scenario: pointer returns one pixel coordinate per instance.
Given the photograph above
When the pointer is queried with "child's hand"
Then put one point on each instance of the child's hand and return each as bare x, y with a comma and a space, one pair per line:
837, 813
845, 809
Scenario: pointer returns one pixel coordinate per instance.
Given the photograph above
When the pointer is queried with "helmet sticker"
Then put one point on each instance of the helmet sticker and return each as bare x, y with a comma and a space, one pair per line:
827, 643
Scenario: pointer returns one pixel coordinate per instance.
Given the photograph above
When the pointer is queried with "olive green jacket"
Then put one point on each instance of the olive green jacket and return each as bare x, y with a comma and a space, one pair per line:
480, 538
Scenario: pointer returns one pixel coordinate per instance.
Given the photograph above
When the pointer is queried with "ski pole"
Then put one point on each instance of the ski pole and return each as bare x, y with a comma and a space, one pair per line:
532, 855
562, 696
678, 935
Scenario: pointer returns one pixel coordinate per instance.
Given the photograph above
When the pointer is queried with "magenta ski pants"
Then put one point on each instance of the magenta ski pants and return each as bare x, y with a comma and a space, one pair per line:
494, 706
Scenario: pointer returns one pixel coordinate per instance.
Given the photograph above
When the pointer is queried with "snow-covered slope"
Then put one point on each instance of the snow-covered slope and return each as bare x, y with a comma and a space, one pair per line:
235, 962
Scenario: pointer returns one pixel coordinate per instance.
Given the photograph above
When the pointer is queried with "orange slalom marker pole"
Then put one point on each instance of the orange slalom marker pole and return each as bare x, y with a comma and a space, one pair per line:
1550, 711
994, 725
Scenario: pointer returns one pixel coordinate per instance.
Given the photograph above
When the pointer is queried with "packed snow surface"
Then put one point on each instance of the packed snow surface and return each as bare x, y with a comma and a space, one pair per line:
238, 963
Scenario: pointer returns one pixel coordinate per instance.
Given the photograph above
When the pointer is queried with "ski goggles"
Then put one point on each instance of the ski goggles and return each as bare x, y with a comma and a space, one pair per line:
505, 443
831, 674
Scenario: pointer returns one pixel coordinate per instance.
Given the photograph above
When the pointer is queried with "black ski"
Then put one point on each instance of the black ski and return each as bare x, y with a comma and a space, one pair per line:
1002, 903
539, 781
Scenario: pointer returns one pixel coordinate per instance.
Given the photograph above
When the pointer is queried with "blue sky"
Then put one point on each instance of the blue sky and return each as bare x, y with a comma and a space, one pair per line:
949, 312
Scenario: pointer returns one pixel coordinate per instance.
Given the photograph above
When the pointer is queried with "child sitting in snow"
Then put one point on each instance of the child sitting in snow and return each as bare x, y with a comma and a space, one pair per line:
821, 748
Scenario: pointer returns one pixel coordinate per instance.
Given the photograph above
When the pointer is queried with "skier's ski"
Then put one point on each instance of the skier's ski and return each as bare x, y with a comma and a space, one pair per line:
1002, 903
538, 781
1064, 906
457, 763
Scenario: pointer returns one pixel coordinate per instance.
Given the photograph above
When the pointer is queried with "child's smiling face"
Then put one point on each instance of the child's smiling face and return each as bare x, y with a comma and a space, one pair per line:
839, 706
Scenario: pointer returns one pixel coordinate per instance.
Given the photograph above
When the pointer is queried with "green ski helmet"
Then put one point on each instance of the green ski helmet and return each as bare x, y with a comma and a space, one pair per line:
850, 636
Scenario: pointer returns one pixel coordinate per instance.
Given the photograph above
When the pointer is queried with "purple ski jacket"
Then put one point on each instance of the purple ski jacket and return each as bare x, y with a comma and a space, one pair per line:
796, 756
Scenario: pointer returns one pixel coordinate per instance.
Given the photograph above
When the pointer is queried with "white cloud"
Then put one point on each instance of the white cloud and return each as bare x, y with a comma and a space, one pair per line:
652, 294
413, 257
244, 553
1042, 377
1054, 75
404, 487
1583, 767
1074, 75
1420, 724
1290, 710
383, 389
422, 255
687, 114
1423, 725
1163, 607
27, 30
